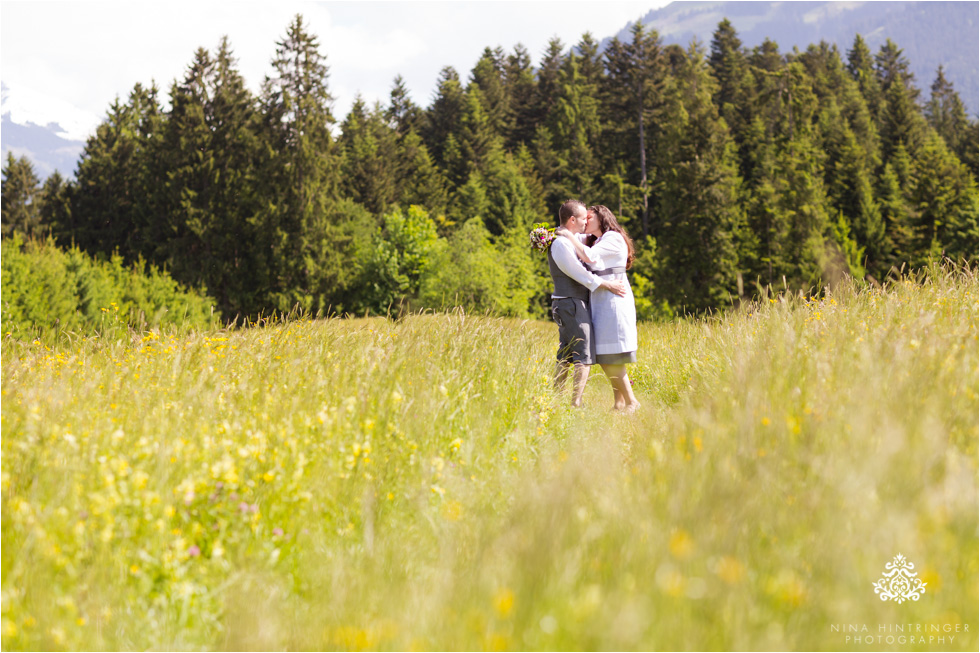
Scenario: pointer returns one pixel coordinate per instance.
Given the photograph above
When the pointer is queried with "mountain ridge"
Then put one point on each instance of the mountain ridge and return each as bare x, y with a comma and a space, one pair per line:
915, 27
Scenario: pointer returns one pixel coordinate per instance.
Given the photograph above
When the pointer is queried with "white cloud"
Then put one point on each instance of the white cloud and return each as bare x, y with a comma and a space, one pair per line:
26, 104
65, 62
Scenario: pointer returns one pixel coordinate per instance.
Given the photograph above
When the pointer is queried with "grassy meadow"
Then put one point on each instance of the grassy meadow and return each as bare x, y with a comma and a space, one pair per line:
416, 484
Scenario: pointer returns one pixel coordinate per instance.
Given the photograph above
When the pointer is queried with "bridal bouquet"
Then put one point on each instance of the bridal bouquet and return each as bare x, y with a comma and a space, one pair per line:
541, 236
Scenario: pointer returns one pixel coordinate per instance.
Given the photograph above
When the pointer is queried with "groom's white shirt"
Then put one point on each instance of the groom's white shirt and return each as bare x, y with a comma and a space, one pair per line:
568, 262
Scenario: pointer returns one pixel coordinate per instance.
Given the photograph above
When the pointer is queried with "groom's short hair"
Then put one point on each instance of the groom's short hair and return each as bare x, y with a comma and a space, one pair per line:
568, 209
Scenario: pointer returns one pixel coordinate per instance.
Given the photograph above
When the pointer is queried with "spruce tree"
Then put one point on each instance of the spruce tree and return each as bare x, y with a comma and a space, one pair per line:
524, 160
765, 57
512, 209
590, 65
760, 251
892, 67
419, 179
116, 203
900, 239
477, 136
635, 75
300, 173
575, 131
55, 210
370, 167
734, 95
547, 166
801, 201
860, 65
402, 114
20, 197
522, 91
833, 84
698, 206
944, 197
848, 181
235, 129
488, 76
796, 222
548, 78
469, 201
901, 121
946, 114
443, 119
209, 150
190, 163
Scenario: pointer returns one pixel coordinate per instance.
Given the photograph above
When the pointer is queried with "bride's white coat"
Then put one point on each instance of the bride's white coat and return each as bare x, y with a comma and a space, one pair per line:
613, 317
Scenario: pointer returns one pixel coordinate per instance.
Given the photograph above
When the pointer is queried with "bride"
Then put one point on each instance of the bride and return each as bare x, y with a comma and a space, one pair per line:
613, 317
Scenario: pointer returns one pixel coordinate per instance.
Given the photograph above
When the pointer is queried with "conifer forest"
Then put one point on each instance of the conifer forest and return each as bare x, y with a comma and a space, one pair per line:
738, 172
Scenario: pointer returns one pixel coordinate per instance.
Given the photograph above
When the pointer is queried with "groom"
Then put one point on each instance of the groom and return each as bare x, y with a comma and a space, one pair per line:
570, 309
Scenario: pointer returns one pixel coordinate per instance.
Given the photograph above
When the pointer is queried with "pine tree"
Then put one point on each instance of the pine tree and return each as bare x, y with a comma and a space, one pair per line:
21, 198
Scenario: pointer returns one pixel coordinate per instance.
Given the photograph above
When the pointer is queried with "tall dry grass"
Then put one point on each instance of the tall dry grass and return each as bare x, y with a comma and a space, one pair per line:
369, 484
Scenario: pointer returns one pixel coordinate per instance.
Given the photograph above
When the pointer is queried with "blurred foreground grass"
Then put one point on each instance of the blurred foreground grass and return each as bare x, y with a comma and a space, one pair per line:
368, 484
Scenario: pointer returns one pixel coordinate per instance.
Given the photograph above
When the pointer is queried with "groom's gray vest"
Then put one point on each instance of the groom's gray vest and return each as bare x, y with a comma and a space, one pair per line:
565, 286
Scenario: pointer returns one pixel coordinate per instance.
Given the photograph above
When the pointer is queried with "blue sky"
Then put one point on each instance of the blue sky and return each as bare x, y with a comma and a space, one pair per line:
64, 62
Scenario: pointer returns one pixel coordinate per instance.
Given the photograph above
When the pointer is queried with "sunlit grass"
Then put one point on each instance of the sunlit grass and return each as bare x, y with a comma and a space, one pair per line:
369, 484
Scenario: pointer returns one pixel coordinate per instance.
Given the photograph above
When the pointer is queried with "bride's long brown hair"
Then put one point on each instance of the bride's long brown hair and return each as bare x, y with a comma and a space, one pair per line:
608, 222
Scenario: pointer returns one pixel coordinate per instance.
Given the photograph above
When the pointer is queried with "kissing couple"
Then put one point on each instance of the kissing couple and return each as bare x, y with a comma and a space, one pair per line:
592, 302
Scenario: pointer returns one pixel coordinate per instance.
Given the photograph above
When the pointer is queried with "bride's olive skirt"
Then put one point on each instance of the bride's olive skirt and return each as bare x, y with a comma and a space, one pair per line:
616, 359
